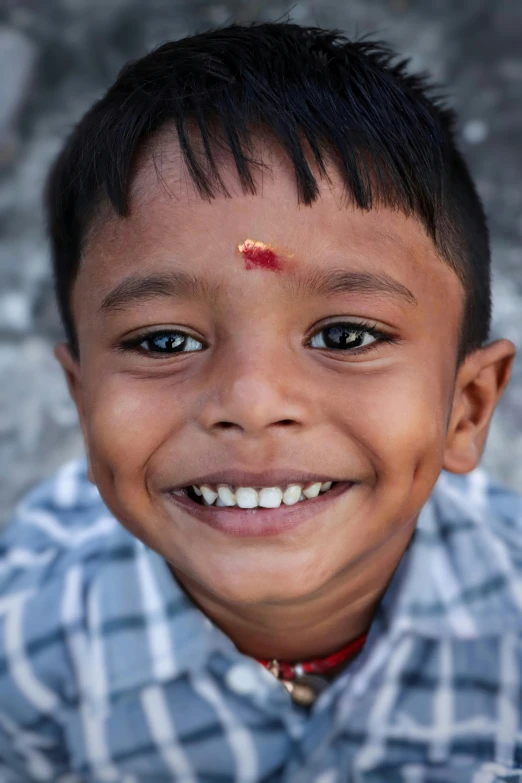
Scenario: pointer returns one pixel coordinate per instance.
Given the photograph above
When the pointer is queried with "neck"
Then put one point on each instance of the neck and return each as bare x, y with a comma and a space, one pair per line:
312, 627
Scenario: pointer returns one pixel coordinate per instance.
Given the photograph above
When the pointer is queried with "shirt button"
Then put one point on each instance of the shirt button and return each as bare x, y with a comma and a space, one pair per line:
242, 679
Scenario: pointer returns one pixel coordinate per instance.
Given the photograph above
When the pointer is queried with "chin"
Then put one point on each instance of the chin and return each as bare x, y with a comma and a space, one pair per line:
261, 585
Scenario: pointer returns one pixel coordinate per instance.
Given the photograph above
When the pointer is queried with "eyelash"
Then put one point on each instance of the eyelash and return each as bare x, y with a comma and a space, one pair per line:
134, 343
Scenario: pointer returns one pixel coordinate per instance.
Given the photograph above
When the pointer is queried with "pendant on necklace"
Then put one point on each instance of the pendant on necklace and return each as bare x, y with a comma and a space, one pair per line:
303, 689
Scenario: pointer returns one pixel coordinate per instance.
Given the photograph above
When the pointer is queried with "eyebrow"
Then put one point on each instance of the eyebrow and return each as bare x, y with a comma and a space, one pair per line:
138, 288
318, 282
321, 282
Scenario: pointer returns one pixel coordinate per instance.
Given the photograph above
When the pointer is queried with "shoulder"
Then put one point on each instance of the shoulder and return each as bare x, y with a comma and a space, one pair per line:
462, 573
469, 555
60, 536
60, 522
484, 504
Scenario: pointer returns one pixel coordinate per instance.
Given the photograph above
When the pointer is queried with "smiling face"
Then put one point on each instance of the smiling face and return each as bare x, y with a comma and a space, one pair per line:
195, 369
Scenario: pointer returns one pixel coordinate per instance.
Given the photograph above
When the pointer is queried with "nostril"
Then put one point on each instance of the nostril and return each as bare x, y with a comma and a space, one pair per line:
229, 425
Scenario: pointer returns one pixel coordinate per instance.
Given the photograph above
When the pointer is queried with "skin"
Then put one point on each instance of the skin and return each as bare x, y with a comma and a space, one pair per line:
260, 397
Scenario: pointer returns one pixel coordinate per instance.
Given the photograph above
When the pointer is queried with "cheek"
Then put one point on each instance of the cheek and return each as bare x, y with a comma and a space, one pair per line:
400, 420
127, 421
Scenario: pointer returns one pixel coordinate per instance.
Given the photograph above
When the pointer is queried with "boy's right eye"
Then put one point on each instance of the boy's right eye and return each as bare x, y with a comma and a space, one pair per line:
165, 343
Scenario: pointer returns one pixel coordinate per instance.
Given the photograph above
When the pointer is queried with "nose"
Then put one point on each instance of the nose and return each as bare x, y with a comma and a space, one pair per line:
252, 390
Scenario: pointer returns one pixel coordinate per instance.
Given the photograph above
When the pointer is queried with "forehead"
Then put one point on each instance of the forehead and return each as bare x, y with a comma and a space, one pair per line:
169, 223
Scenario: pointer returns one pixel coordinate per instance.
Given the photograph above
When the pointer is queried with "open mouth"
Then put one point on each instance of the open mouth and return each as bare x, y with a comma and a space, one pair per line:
258, 511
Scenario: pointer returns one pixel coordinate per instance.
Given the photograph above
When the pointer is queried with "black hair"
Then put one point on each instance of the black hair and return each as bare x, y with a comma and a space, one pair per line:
347, 102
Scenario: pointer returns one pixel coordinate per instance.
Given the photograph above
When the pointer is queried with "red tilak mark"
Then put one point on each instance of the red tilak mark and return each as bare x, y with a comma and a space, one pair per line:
257, 254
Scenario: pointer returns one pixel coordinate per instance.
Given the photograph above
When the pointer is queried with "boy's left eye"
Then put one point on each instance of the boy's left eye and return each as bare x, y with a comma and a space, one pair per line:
347, 337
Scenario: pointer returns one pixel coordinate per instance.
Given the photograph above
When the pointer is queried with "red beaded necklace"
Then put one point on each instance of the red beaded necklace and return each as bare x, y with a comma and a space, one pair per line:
301, 679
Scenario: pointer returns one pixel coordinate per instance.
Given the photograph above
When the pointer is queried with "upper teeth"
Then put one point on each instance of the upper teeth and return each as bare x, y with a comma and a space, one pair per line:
268, 497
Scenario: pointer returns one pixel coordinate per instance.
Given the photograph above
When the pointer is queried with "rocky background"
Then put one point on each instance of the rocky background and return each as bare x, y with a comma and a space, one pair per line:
58, 56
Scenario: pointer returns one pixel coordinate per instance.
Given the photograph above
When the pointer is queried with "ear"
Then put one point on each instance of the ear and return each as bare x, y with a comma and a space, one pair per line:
480, 382
71, 368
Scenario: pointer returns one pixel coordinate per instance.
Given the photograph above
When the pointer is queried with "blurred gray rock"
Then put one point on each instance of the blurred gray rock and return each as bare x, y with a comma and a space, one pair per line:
17, 59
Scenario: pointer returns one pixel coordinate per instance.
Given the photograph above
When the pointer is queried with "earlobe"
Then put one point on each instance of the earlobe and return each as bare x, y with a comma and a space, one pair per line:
71, 369
479, 385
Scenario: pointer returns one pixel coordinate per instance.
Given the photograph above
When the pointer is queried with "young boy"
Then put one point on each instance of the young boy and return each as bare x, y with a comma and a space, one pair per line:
273, 272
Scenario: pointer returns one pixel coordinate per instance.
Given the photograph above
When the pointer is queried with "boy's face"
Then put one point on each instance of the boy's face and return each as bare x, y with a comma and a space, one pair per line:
257, 390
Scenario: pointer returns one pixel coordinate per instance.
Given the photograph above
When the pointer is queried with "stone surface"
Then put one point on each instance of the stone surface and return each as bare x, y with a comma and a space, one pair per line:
64, 53
17, 59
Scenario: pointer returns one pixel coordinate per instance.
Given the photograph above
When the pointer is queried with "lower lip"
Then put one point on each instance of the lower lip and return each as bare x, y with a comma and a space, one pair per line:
260, 521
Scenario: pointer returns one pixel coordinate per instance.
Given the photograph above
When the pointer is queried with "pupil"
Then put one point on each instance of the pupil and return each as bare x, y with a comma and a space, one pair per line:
165, 342
342, 337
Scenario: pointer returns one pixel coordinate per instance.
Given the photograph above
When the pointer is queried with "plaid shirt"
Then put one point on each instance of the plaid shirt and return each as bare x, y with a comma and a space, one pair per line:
108, 672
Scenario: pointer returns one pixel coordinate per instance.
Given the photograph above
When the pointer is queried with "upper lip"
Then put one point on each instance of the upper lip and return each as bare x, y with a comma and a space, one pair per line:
269, 478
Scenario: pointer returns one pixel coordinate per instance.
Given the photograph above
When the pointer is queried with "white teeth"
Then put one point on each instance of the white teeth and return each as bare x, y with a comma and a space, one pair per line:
208, 494
246, 497
226, 496
292, 494
270, 497
313, 490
